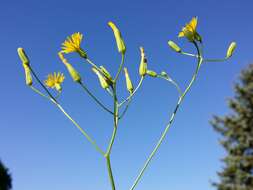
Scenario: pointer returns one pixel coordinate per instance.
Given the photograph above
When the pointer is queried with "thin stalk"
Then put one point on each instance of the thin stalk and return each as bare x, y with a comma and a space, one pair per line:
131, 95
39, 92
115, 127
95, 99
93, 65
126, 108
109, 169
80, 129
172, 82
200, 60
214, 60
120, 67
42, 85
51, 97
115, 121
189, 54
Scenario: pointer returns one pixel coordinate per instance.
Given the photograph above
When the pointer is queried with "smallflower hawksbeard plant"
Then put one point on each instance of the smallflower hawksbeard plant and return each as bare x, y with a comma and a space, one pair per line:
109, 82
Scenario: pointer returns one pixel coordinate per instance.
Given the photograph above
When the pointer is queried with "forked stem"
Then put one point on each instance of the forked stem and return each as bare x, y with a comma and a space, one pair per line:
200, 60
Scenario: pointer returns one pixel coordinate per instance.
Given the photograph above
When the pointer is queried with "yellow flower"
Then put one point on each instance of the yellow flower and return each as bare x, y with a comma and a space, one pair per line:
73, 43
189, 31
54, 80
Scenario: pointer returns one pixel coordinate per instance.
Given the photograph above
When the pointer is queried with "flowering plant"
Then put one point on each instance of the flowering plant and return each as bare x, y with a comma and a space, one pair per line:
109, 83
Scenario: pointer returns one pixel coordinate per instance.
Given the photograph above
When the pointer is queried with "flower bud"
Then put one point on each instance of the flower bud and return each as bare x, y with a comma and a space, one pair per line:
129, 84
151, 73
28, 76
231, 49
143, 64
73, 73
101, 79
23, 56
174, 46
120, 43
106, 74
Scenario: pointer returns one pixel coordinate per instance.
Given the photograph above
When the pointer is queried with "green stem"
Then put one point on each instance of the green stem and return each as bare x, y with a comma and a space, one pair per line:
115, 121
120, 67
172, 82
39, 92
80, 129
51, 97
126, 108
189, 54
131, 95
214, 60
109, 149
109, 169
200, 60
95, 99
93, 65
42, 85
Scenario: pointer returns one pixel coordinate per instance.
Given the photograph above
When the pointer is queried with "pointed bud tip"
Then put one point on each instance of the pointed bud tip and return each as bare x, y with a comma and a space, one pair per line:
174, 46
23, 56
231, 49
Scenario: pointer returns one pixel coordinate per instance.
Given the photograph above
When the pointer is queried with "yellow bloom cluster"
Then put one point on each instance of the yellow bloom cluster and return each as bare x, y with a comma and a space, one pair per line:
54, 80
189, 31
72, 43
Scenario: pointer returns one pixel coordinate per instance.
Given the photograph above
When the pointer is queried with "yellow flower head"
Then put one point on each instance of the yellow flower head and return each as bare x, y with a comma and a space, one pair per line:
189, 31
72, 43
54, 80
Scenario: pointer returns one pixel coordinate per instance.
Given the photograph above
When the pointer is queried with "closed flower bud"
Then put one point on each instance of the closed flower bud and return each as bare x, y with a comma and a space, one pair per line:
120, 43
106, 74
231, 49
143, 64
73, 73
129, 84
28, 76
101, 79
174, 46
23, 56
151, 73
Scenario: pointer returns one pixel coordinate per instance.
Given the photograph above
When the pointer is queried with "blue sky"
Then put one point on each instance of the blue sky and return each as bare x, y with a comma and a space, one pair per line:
43, 149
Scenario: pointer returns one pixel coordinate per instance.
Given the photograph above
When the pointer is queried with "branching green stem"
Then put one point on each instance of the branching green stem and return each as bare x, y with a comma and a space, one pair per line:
52, 99
95, 99
131, 95
126, 108
115, 121
172, 82
80, 129
200, 60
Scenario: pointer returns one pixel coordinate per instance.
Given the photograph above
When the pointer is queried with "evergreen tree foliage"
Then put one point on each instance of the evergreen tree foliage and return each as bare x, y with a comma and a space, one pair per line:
236, 130
5, 178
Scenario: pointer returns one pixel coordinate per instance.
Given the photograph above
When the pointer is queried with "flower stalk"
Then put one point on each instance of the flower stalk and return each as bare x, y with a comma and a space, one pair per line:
73, 44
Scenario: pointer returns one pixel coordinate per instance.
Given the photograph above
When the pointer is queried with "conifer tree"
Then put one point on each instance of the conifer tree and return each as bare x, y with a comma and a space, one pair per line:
5, 178
236, 130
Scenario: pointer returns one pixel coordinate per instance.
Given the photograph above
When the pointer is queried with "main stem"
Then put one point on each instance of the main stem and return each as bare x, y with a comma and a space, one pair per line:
115, 121
109, 169
200, 60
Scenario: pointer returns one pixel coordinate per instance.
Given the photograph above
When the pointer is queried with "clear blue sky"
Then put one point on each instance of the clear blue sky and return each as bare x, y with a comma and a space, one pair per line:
43, 149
